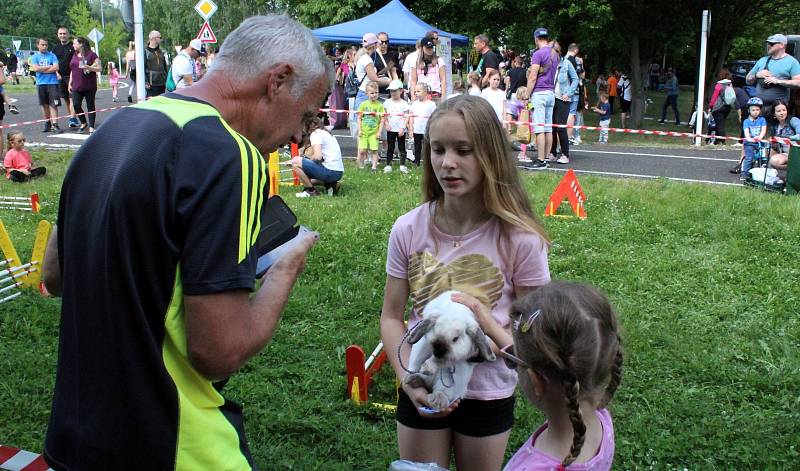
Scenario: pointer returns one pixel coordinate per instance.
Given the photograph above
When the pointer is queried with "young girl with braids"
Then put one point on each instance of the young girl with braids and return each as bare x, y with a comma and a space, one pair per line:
566, 349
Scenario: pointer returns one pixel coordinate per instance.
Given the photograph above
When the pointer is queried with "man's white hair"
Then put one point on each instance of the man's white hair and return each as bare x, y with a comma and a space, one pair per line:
153, 34
261, 42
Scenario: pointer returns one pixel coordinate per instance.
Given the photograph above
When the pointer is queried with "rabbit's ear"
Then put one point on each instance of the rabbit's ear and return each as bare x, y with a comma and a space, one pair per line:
420, 330
481, 342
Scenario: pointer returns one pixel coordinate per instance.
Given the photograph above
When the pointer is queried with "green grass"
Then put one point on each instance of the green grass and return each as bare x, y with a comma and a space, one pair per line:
26, 86
704, 279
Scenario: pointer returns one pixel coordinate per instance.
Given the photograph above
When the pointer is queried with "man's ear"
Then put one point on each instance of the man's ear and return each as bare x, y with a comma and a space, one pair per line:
280, 78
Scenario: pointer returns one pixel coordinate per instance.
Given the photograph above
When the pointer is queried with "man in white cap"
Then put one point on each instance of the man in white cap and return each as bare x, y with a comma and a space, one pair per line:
184, 70
776, 74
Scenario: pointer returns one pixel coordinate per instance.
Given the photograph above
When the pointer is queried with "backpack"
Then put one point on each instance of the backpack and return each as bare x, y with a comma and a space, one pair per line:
171, 85
351, 83
730, 95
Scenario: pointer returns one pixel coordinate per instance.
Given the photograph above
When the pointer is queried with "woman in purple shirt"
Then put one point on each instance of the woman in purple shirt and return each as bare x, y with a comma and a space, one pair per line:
83, 82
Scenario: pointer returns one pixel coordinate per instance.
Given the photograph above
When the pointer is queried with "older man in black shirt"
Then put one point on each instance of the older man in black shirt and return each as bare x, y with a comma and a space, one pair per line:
63, 50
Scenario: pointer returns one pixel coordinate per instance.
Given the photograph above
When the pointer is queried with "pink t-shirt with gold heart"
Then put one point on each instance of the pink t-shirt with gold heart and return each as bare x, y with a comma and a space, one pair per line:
434, 262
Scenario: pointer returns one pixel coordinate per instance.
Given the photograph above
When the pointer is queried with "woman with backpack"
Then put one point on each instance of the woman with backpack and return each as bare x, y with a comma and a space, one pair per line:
721, 103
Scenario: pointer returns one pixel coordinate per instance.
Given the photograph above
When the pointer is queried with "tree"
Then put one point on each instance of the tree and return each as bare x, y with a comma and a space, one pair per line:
81, 22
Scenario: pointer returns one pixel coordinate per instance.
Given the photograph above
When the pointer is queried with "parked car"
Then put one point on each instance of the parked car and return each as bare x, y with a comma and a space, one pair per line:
739, 70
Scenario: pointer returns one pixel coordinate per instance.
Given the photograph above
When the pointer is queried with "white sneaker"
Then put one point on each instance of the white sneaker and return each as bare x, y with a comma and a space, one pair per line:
563, 159
387, 169
403, 169
523, 157
578, 141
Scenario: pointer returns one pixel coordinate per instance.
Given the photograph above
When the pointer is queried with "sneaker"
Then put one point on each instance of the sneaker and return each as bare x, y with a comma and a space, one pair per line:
660, 121
307, 194
563, 159
738, 144
83, 129
55, 129
130, 99
551, 158
387, 169
13, 109
47, 127
572, 141
539, 164
677, 123
114, 100
578, 141
736, 170
403, 169
332, 189
523, 157
73, 122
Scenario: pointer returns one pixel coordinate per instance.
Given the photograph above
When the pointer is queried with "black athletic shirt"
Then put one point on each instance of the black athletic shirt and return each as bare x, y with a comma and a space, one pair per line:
64, 53
163, 200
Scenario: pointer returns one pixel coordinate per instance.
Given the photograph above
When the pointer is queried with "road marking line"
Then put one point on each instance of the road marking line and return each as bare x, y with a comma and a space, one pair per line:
716, 159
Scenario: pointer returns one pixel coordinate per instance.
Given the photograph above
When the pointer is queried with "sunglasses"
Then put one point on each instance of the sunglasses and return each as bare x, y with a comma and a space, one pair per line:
508, 355
384, 42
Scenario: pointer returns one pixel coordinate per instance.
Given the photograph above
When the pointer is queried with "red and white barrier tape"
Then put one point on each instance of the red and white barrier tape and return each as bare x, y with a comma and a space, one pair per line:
14, 459
587, 128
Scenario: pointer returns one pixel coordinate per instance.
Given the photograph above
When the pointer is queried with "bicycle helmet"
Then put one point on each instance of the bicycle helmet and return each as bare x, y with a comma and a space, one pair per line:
755, 101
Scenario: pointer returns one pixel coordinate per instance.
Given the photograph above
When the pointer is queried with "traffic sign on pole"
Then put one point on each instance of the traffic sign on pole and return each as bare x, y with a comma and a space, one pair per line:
206, 34
206, 9
17, 44
95, 35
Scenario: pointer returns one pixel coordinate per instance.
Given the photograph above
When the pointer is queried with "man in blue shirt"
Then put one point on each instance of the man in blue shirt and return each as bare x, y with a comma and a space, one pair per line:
45, 64
776, 74
673, 89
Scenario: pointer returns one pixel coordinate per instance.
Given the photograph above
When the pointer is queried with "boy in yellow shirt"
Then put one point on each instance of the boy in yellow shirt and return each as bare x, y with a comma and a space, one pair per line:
370, 125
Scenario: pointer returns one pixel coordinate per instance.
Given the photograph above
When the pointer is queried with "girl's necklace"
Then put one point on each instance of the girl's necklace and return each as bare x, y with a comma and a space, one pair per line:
457, 239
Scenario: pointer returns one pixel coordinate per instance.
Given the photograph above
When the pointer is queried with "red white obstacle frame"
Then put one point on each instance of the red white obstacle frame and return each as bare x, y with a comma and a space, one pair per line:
14, 459
22, 203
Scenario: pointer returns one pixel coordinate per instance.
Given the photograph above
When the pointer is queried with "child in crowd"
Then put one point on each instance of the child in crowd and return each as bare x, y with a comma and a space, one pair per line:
113, 80
494, 95
421, 109
476, 232
395, 121
755, 126
568, 355
603, 108
458, 88
370, 124
18, 162
474, 84
4, 98
515, 105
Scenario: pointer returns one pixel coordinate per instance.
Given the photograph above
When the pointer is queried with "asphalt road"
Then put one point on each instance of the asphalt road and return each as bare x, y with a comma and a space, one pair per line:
706, 164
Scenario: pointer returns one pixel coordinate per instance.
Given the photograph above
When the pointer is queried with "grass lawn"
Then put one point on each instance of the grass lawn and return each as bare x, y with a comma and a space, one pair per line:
26, 86
704, 279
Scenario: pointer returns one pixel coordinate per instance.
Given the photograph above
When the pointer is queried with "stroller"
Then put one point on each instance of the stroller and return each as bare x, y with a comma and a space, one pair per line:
710, 124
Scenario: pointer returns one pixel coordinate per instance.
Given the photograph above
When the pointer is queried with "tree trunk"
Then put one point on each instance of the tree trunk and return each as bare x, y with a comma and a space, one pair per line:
637, 90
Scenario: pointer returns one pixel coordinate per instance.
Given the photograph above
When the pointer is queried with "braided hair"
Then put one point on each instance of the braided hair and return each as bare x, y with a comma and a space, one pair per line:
569, 333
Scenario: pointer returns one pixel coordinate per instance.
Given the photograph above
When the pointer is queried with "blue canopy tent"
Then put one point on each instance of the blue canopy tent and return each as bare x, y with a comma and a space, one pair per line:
395, 19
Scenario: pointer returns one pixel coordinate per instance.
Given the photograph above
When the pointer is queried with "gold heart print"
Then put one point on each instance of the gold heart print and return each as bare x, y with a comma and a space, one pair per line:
472, 274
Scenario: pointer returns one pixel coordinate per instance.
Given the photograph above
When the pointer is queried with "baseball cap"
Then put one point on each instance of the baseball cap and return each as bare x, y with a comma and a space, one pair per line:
369, 39
395, 85
777, 39
541, 33
198, 46
427, 41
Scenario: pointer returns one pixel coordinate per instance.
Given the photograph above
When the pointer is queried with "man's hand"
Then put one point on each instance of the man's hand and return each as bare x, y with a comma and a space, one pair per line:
764, 73
772, 80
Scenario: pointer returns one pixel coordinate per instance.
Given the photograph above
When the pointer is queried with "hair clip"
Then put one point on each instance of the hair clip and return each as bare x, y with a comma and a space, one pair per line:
526, 326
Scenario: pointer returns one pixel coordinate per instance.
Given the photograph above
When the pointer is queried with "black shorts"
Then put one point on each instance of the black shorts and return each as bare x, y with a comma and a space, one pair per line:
625, 106
2, 111
63, 85
472, 417
49, 95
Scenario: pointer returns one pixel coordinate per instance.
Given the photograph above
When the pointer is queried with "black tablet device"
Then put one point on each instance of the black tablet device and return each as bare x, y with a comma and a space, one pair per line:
279, 233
